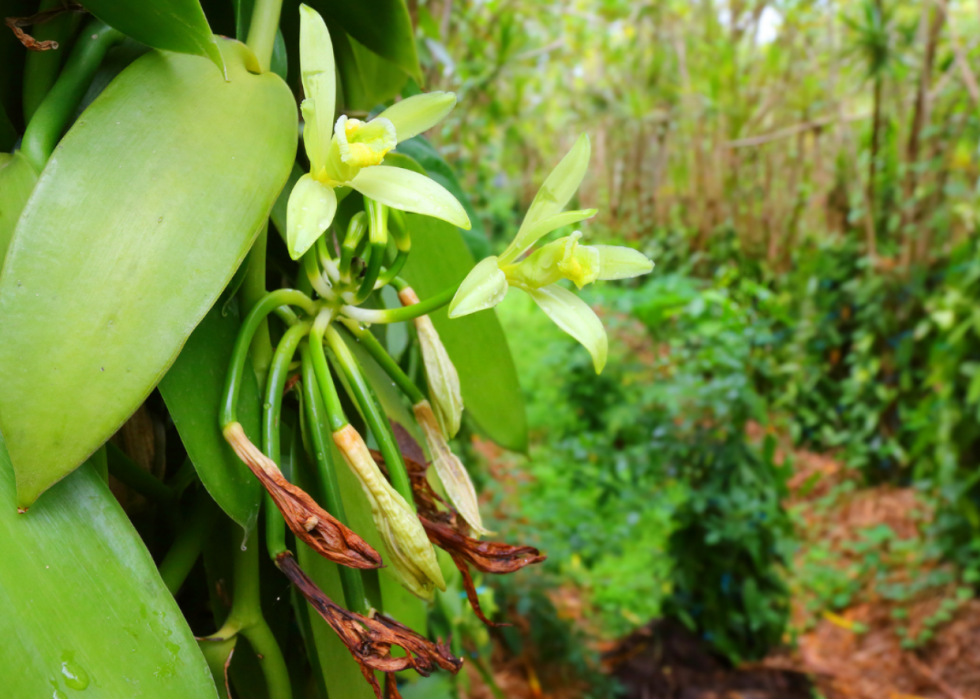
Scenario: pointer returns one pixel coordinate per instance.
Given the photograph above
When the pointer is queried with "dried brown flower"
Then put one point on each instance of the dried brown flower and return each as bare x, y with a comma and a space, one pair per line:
448, 531
487, 556
321, 531
370, 640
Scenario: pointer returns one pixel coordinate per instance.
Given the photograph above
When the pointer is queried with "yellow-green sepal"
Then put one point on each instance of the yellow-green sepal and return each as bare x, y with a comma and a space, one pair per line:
574, 316
312, 206
484, 287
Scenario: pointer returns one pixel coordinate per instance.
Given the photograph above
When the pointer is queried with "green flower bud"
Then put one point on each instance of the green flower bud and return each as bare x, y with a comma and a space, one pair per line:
413, 558
450, 469
447, 401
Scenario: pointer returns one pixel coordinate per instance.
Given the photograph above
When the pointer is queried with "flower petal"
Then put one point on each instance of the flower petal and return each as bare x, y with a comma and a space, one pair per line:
574, 316
319, 82
527, 237
557, 189
410, 191
618, 262
309, 213
484, 287
419, 113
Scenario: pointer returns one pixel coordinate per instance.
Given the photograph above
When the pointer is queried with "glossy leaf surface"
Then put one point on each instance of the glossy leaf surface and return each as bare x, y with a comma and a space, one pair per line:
137, 223
383, 26
192, 389
439, 170
173, 25
17, 179
85, 613
476, 343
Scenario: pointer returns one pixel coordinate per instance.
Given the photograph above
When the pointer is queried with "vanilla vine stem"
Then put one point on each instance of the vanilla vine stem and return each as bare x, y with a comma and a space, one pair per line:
396, 315
266, 305
262, 31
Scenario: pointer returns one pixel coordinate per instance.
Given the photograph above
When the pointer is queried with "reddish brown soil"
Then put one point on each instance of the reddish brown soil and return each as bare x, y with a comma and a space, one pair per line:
850, 653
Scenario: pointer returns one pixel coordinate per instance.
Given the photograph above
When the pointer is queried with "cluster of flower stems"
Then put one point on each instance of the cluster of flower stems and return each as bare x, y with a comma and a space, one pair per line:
318, 328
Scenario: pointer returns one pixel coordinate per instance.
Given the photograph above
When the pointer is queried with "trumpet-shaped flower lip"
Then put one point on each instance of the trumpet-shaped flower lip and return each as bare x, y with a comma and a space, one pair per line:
564, 258
363, 144
579, 264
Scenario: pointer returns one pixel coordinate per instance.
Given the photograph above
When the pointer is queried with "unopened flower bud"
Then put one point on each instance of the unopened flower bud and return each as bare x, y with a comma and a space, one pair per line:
412, 555
451, 471
447, 401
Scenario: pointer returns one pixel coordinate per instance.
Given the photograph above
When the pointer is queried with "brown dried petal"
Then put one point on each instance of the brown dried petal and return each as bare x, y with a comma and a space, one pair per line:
318, 528
487, 556
29, 42
446, 531
370, 640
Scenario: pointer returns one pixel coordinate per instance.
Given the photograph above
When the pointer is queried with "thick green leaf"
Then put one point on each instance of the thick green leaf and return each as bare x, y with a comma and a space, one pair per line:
366, 78
383, 26
137, 223
17, 180
476, 343
173, 25
439, 170
85, 613
192, 390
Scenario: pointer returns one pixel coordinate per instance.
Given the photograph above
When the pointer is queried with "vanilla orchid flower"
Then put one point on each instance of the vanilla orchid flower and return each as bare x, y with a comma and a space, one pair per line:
487, 284
350, 152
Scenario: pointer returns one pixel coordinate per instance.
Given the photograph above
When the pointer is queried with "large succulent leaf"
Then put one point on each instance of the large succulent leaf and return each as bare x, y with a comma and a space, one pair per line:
85, 612
383, 26
192, 389
173, 25
439, 170
138, 221
17, 180
476, 343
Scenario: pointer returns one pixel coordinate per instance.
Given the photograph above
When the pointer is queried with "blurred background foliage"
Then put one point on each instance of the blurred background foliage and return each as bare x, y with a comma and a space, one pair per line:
805, 175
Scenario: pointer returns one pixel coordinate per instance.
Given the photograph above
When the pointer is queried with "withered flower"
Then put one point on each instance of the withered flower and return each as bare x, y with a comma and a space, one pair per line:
486, 556
446, 530
308, 521
370, 640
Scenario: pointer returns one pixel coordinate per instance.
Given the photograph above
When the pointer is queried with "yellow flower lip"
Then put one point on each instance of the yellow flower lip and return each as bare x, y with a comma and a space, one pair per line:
363, 144
580, 263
